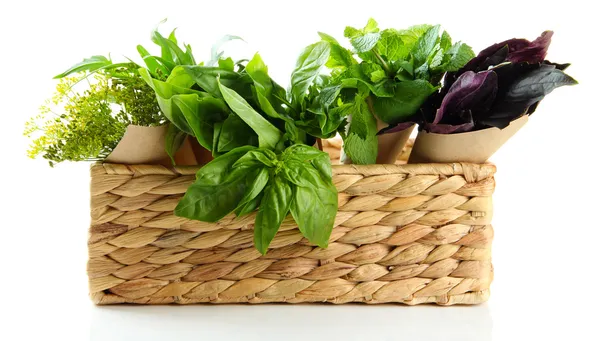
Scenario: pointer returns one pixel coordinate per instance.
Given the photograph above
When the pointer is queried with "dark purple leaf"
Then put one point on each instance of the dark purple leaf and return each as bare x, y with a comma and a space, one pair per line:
534, 85
535, 52
471, 91
519, 50
450, 128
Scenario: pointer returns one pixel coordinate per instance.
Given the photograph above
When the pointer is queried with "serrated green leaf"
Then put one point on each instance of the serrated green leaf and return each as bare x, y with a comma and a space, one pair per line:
392, 46
445, 41
326, 37
425, 45
366, 42
409, 97
226, 64
412, 34
361, 151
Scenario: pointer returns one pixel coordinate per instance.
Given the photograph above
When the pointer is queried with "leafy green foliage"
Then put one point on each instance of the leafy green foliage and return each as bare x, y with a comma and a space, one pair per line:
298, 180
399, 69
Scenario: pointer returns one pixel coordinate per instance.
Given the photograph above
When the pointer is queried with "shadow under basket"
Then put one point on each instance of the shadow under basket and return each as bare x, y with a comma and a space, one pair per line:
412, 234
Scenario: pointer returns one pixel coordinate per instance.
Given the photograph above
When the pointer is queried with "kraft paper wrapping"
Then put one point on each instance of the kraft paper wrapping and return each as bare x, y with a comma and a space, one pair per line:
475, 146
391, 145
146, 145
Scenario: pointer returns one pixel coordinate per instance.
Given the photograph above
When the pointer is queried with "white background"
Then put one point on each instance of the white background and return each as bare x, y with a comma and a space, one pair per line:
546, 202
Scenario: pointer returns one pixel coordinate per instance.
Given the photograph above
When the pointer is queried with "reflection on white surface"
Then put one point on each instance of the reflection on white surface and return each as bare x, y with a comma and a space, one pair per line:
287, 322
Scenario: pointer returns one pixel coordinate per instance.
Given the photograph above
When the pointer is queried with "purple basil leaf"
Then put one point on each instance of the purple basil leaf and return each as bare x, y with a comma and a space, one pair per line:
471, 91
535, 52
533, 86
448, 128
561, 67
519, 50
503, 113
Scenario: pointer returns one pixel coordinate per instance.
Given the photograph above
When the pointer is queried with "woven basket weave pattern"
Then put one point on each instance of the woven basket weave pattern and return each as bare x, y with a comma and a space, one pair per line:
404, 233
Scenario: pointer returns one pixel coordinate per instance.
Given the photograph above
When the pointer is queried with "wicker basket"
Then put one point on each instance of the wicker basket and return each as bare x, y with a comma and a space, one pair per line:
408, 234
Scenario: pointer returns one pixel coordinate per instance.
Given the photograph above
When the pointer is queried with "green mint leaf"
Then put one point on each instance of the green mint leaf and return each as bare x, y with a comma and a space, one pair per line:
456, 57
392, 46
366, 42
445, 41
411, 35
425, 45
363, 122
340, 57
362, 151
326, 37
328, 95
409, 97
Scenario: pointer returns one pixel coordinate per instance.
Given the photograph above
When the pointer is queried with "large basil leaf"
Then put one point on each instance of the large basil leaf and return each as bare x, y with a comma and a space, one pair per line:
274, 207
208, 78
216, 171
201, 113
217, 190
308, 66
154, 65
235, 133
173, 140
314, 204
164, 93
260, 157
256, 183
267, 90
268, 134
211, 203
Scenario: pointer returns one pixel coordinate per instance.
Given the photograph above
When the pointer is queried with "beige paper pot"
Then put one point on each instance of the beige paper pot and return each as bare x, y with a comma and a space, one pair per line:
146, 145
390, 145
475, 146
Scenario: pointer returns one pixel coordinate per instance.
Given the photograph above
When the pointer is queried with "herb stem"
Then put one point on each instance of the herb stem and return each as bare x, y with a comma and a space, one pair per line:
383, 63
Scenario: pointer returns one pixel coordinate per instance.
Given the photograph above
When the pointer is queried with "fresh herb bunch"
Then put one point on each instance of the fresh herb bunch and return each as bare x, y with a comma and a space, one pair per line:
504, 82
87, 125
388, 76
261, 139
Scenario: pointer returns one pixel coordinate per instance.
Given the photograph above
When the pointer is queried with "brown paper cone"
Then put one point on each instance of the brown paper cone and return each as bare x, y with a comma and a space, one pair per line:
146, 145
390, 145
475, 146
